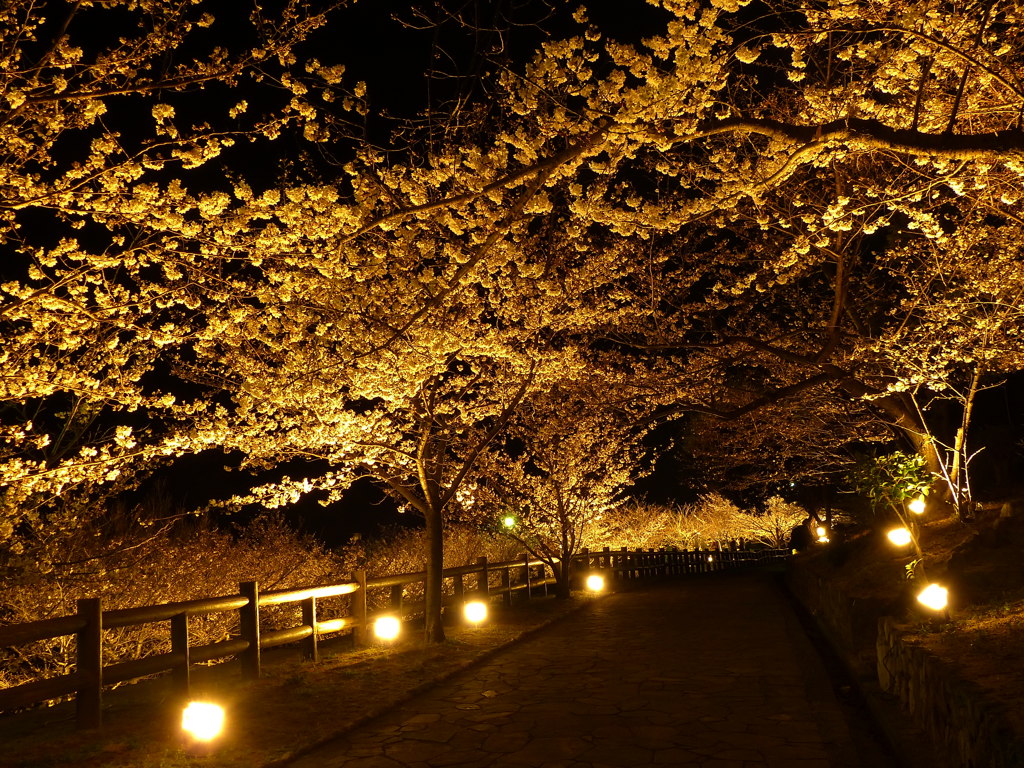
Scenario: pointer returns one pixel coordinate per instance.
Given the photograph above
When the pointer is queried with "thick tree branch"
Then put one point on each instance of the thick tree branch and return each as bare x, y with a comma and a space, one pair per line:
873, 135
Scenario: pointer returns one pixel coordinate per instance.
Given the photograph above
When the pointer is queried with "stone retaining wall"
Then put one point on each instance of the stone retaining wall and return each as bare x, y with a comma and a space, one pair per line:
850, 625
951, 711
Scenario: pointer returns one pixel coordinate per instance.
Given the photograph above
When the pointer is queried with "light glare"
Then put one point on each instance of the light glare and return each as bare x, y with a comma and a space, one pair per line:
899, 536
917, 505
387, 628
475, 612
508, 521
935, 597
595, 582
202, 720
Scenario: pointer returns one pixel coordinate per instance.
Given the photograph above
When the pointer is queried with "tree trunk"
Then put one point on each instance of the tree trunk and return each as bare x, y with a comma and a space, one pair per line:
434, 596
563, 589
908, 422
563, 573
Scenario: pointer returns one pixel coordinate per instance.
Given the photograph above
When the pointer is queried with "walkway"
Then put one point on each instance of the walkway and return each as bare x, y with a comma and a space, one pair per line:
711, 672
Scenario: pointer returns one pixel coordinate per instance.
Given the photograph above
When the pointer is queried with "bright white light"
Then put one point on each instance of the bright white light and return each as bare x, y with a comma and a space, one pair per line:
387, 628
202, 720
899, 536
934, 596
711, 558
595, 582
475, 612
822, 533
917, 505
508, 521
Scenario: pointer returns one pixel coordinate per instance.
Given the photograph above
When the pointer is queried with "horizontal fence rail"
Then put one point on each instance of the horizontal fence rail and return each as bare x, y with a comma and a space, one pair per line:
528, 577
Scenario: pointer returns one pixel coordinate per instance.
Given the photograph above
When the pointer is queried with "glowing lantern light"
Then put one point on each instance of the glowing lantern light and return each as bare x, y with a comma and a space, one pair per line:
917, 505
508, 521
935, 597
203, 721
387, 628
711, 558
595, 582
475, 612
899, 536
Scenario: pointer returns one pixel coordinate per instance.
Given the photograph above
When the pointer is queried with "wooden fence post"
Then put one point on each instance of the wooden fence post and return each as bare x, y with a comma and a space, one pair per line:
459, 590
526, 576
360, 632
483, 581
249, 626
89, 664
506, 585
179, 646
397, 591
311, 646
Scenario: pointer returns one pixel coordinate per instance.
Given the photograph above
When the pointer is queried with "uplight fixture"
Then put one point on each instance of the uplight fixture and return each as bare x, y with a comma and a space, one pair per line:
916, 505
387, 628
475, 611
595, 582
899, 536
934, 596
202, 720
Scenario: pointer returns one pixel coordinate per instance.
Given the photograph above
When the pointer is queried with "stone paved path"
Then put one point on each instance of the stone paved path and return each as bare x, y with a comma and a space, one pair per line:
712, 672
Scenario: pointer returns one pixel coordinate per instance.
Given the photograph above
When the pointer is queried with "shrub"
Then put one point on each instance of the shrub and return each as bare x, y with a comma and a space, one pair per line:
128, 566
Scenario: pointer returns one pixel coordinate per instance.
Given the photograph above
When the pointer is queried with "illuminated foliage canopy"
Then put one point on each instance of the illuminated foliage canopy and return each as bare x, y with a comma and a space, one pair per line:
752, 205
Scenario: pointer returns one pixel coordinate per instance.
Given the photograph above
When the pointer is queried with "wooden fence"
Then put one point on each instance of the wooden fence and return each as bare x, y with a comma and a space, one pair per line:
526, 577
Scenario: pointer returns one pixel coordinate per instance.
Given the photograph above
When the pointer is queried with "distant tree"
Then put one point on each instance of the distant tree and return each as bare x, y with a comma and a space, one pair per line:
638, 524
712, 521
565, 462
773, 525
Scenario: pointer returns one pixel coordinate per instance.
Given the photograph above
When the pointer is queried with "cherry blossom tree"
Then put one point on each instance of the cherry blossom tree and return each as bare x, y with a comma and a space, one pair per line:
566, 460
956, 332
668, 148
709, 203
113, 116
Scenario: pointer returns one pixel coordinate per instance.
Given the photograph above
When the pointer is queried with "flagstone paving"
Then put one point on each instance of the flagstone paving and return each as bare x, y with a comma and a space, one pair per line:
709, 673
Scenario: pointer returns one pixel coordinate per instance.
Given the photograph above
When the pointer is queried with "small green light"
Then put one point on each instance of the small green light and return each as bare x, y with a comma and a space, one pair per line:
508, 521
